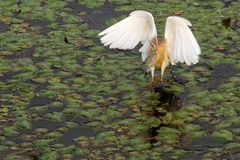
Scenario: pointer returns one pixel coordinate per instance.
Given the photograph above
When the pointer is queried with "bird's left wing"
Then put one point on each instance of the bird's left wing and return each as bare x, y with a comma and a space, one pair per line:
181, 45
138, 27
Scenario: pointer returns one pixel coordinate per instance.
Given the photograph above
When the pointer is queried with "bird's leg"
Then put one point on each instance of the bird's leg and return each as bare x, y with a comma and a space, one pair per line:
164, 65
151, 83
162, 72
156, 80
159, 79
152, 73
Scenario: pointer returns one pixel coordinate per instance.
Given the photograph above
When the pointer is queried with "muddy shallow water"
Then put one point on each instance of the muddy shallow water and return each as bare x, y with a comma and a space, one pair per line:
65, 96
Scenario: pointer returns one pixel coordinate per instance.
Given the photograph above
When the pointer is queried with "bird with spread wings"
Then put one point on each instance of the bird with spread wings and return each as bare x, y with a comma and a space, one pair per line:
177, 45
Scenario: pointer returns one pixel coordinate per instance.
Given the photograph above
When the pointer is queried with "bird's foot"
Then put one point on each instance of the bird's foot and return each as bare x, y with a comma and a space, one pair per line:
158, 80
155, 82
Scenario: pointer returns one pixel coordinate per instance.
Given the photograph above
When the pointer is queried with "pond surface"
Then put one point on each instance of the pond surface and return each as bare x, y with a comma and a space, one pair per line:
65, 96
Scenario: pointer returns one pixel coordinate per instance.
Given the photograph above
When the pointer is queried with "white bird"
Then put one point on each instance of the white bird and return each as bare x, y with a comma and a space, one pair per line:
177, 45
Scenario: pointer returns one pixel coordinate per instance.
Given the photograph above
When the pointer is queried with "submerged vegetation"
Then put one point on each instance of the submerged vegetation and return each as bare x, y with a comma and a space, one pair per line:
65, 96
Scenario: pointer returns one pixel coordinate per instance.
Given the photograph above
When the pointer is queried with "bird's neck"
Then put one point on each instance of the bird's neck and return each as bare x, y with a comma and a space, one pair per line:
162, 43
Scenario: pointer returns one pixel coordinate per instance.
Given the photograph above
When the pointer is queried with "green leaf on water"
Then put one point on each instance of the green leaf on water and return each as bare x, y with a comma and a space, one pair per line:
223, 135
82, 151
10, 131
55, 116
49, 155
23, 124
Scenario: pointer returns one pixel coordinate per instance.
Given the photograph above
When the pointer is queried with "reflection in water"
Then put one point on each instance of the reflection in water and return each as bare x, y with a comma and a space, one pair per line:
168, 102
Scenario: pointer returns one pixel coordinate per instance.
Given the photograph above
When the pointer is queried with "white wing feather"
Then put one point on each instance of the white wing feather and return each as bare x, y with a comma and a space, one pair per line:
181, 44
138, 27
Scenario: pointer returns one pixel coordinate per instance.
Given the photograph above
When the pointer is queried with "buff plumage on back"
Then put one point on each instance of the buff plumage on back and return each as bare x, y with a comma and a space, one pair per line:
138, 27
181, 43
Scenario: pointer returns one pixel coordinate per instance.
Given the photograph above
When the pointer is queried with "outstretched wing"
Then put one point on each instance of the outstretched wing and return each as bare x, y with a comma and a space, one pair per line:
138, 27
181, 44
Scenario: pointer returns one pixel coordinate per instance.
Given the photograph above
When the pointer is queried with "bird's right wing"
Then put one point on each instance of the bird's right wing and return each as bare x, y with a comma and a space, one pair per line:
138, 27
181, 43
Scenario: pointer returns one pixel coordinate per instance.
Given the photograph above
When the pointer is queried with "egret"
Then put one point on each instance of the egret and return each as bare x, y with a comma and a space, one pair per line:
177, 45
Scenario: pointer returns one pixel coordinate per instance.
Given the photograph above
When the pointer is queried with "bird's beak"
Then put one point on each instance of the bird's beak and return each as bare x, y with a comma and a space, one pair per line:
145, 75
